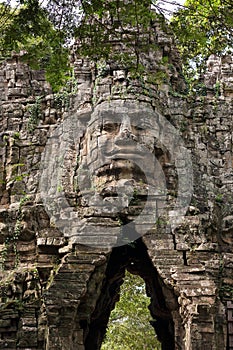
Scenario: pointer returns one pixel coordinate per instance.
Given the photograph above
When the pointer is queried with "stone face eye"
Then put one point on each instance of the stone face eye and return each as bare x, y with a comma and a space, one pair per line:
110, 127
138, 128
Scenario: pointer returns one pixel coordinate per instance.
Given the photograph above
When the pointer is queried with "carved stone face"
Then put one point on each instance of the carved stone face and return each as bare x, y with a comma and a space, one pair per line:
119, 144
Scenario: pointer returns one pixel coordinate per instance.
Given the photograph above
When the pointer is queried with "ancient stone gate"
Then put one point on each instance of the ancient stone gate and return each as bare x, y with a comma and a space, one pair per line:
65, 247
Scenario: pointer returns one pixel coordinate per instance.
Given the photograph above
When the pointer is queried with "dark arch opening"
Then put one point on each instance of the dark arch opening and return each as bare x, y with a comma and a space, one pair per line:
135, 259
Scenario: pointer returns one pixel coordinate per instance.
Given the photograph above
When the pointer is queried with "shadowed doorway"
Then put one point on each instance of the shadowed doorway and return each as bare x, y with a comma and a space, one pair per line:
134, 258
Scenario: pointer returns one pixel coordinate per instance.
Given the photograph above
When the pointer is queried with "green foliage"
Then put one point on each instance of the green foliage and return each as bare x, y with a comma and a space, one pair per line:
219, 198
99, 39
11, 241
129, 326
217, 89
27, 29
226, 292
63, 97
203, 27
35, 114
44, 31
6, 14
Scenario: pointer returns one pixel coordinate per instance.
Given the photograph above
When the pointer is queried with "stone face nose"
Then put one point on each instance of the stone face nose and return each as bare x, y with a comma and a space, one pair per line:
125, 131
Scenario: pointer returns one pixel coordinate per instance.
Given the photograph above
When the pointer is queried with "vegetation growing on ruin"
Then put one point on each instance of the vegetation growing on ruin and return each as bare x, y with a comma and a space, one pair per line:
44, 31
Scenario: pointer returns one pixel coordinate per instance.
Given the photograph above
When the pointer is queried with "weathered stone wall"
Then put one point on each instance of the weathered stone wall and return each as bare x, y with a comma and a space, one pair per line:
58, 286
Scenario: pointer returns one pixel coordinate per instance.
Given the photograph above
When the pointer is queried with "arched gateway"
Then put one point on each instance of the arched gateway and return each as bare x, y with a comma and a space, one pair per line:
132, 175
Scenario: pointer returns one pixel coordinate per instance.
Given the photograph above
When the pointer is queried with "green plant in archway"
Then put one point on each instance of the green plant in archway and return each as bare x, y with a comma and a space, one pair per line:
129, 324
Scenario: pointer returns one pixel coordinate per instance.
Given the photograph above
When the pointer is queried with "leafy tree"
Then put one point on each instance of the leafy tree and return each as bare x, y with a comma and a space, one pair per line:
44, 30
129, 326
6, 15
203, 27
27, 28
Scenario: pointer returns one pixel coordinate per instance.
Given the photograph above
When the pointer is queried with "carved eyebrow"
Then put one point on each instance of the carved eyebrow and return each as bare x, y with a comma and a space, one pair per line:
141, 118
114, 118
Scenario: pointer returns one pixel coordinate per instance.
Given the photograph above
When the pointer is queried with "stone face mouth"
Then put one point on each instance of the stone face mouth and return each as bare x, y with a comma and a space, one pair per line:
130, 151
121, 169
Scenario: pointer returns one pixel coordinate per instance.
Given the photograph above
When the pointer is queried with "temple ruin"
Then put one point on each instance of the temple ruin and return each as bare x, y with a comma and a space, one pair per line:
126, 173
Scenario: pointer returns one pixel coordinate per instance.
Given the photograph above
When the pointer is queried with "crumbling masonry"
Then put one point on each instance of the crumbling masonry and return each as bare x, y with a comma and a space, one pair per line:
58, 286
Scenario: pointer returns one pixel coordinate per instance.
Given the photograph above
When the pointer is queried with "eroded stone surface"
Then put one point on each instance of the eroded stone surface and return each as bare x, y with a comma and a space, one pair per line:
61, 268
